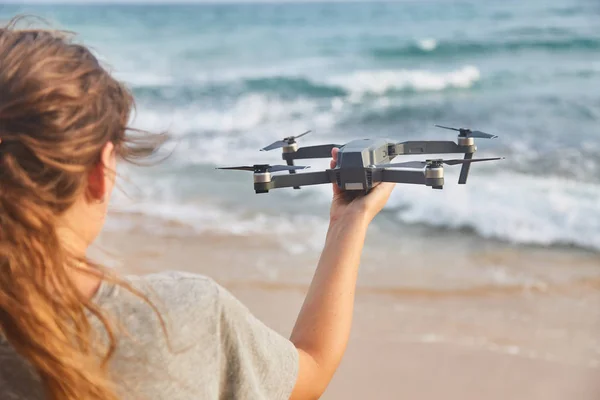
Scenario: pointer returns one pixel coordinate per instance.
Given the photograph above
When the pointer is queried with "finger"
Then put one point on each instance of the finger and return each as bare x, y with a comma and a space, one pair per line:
382, 191
332, 164
378, 197
334, 153
336, 188
384, 188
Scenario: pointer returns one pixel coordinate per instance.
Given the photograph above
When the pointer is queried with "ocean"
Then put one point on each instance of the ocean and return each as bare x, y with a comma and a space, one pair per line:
228, 79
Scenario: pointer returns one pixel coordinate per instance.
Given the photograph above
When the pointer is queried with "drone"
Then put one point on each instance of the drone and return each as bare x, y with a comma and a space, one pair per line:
364, 163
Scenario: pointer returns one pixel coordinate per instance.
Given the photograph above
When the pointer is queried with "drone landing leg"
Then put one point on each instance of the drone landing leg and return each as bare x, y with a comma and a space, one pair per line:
290, 161
464, 172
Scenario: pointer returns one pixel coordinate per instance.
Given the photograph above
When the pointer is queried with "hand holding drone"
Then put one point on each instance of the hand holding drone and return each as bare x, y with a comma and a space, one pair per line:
362, 164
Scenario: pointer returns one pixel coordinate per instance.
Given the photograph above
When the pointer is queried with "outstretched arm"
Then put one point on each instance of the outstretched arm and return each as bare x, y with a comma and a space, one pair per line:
323, 327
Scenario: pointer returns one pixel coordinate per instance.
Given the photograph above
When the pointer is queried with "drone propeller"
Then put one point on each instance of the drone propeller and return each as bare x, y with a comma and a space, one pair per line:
423, 164
284, 142
469, 133
262, 168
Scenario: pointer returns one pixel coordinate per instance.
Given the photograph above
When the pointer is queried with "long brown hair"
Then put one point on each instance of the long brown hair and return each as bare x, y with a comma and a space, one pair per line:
58, 109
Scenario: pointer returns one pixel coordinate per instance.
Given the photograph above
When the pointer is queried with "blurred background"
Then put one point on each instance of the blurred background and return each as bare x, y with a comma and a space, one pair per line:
501, 274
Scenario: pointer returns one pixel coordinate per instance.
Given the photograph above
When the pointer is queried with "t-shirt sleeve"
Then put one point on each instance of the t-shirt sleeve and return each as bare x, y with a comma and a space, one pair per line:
255, 361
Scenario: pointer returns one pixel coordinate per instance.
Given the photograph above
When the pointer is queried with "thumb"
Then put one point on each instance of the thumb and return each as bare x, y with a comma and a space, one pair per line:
332, 164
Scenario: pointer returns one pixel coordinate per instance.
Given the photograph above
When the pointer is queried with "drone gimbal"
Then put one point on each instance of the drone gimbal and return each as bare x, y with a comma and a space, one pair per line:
364, 163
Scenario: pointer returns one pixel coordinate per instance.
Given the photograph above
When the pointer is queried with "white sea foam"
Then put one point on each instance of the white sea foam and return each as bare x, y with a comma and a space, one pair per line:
145, 78
382, 81
502, 276
504, 205
427, 44
509, 206
308, 231
247, 112
254, 119
358, 82
164, 75
250, 123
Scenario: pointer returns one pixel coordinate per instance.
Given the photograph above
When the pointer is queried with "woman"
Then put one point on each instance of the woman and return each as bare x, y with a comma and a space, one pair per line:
71, 329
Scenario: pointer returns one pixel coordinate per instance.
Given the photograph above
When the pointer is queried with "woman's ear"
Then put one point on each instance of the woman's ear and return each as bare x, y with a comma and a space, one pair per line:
99, 177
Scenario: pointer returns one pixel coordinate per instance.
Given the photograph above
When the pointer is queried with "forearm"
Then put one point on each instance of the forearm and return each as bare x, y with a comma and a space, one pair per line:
323, 325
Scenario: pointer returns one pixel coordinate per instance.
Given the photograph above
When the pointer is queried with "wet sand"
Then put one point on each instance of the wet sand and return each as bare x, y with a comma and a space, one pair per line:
473, 320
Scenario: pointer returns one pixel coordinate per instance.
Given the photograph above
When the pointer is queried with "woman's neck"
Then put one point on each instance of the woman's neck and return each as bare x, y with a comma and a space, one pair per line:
86, 278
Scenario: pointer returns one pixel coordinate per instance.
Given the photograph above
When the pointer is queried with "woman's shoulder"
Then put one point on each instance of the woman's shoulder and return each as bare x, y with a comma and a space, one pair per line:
170, 277
179, 297
167, 330
175, 286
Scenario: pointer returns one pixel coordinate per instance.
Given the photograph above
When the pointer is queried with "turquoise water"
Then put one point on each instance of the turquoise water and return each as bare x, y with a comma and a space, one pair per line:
229, 79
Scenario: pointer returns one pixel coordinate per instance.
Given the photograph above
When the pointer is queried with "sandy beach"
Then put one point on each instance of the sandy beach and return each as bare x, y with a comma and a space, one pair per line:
485, 320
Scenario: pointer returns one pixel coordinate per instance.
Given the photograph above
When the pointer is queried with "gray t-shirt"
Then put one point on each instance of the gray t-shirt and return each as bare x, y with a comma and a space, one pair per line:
218, 349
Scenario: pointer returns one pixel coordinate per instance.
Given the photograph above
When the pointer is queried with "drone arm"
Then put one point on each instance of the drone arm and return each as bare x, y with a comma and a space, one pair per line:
296, 180
320, 151
429, 147
304, 179
398, 176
